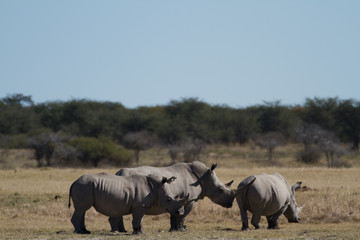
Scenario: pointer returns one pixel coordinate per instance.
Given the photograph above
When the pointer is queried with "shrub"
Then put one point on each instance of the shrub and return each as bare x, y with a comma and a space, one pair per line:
17, 141
94, 150
44, 145
309, 155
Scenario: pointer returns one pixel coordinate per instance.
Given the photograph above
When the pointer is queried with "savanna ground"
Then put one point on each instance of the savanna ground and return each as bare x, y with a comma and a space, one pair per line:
33, 202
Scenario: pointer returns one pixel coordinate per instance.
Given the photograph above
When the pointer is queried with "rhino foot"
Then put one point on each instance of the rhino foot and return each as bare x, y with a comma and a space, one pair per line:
138, 231
180, 229
119, 231
83, 231
272, 224
245, 229
274, 227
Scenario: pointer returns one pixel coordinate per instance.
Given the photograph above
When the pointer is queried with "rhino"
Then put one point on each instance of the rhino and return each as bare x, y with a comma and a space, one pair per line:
194, 180
270, 196
115, 196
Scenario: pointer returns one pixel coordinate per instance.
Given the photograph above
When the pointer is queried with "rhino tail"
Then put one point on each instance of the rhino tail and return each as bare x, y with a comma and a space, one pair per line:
69, 205
243, 186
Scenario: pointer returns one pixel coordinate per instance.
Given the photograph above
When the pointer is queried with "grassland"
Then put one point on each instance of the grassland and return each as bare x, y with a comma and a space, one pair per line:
33, 202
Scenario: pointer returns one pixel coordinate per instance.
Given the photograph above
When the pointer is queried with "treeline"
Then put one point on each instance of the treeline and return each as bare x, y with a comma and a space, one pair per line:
184, 125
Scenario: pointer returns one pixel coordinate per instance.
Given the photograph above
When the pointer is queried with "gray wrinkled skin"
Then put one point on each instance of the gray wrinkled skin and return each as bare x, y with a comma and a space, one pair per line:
193, 179
116, 196
270, 196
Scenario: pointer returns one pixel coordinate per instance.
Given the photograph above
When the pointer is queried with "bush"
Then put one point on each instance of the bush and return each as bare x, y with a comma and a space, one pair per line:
338, 163
94, 150
309, 155
17, 141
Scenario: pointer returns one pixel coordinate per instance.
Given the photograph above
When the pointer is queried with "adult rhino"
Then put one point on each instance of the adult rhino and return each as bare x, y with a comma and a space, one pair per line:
270, 196
194, 180
116, 196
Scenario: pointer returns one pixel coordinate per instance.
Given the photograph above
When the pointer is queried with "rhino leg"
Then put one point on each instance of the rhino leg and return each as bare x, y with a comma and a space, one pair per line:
273, 219
117, 224
255, 220
177, 222
272, 224
78, 221
137, 215
244, 219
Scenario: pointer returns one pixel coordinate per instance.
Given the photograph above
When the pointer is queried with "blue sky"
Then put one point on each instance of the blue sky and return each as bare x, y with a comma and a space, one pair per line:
146, 53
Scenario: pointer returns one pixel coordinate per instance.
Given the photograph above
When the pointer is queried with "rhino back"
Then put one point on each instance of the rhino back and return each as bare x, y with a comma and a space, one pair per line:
184, 173
267, 194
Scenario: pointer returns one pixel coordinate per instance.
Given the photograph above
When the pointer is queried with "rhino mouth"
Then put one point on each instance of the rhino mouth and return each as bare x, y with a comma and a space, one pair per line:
180, 212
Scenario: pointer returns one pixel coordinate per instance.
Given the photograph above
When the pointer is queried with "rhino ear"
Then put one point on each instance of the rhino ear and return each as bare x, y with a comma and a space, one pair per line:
213, 166
167, 180
229, 183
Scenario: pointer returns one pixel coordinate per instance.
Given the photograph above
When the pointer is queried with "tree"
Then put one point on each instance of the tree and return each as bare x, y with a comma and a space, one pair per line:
347, 117
138, 141
192, 149
44, 145
190, 116
93, 119
314, 138
270, 141
18, 99
174, 151
244, 126
332, 150
17, 115
309, 135
272, 117
321, 112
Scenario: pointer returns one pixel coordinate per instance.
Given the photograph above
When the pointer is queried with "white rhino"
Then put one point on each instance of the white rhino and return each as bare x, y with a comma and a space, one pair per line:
116, 196
193, 179
270, 196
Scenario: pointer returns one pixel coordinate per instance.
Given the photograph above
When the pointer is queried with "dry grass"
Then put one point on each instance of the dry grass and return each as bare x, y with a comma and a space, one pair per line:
33, 202
34, 205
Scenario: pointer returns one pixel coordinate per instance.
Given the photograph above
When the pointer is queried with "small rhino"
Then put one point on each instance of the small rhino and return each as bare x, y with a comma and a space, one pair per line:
270, 196
116, 196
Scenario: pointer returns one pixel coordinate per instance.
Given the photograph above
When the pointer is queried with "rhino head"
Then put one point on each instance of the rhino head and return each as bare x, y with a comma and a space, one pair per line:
171, 202
292, 212
218, 192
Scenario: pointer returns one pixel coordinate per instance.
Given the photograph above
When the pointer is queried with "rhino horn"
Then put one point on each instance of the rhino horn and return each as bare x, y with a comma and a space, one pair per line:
229, 183
186, 199
301, 208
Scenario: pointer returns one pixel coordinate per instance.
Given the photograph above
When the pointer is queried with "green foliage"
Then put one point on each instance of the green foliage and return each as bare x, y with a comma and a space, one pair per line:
347, 117
321, 112
175, 122
14, 141
190, 117
93, 150
272, 117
